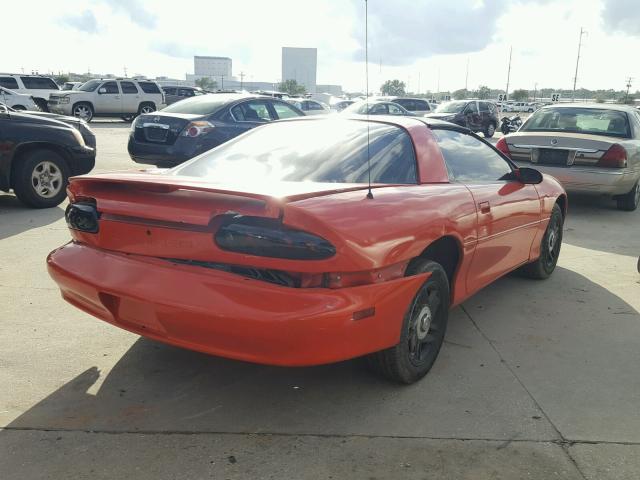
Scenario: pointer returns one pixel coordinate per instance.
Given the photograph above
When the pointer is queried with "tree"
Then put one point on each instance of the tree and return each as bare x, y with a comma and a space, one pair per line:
292, 87
484, 92
206, 83
393, 87
519, 95
460, 94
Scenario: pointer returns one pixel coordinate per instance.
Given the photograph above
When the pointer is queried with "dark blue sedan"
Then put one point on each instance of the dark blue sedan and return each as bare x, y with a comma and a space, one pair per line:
190, 127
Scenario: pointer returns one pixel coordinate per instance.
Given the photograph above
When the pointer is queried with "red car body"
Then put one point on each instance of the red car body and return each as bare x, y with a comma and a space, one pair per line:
146, 269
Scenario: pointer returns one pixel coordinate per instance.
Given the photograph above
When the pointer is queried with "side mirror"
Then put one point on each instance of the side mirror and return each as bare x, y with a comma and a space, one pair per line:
528, 176
102, 90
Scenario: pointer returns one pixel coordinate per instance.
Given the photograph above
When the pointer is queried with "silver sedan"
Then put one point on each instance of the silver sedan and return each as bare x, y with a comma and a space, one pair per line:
588, 148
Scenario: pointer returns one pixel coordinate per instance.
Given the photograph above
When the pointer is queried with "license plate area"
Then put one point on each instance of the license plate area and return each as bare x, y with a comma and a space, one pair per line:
552, 156
156, 134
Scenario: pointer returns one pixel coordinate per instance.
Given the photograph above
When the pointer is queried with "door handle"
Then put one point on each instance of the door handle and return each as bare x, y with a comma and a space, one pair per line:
484, 207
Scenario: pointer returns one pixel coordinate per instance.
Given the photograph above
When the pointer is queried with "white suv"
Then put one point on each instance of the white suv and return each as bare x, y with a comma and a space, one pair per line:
37, 86
122, 97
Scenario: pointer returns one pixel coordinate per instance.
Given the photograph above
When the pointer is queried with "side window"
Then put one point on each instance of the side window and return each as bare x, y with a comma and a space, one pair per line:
408, 104
128, 87
315, 106
39, 83
469, 160
284, 111
484, 107
185, 92
149, 87
421, 105
252, 111
393, 110
379, 109
111, 87
471, 107
169, 90
9, 82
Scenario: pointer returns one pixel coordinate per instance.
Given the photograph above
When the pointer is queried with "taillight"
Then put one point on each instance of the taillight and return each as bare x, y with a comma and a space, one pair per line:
503, 147
195, 129
615, 157
266, 237
83, 217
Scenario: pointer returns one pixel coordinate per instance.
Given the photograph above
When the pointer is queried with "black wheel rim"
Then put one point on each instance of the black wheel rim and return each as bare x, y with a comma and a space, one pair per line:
552, 241
425, 326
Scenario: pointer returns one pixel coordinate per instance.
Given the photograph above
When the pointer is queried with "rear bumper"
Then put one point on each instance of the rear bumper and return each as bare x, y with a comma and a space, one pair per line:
161, 154
589, 179
229, 315
82, 159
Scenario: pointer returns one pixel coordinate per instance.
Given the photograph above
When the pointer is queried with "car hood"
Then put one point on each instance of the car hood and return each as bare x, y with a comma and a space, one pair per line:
35, 118
54, 116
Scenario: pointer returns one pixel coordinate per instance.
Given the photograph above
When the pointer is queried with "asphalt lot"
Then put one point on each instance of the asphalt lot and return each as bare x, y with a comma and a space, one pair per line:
536, 380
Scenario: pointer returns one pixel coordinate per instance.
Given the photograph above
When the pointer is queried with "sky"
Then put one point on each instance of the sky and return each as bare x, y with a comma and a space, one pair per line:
425, 43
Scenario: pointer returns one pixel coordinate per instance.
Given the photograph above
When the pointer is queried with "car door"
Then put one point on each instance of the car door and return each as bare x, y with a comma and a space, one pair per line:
508, 211
472, 117
108, 99
130, 97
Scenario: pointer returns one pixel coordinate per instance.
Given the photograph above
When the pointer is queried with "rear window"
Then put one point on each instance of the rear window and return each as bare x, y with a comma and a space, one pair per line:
592, 121
333, 151
39, 83
202, 105
9, 82
149, 87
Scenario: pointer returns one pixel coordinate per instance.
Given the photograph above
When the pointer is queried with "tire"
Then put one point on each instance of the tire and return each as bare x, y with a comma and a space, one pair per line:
504, 128
146, 108
128, 118
530, 110
629, 201
83, 111
544, 266
423, 329
490, 130
19, 107
40, 178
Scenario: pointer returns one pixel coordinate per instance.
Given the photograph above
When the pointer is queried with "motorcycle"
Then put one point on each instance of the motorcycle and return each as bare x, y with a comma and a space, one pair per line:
510, 124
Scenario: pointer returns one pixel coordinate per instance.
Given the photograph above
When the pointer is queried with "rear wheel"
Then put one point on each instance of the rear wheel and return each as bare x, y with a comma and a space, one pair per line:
146, 108
544, 266
629, 201
40, 179
423, 329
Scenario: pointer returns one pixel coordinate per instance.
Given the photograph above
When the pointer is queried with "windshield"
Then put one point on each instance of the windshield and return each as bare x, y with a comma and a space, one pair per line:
592, 121
451, 107
358, 107
200, 105
90, 86
332, 151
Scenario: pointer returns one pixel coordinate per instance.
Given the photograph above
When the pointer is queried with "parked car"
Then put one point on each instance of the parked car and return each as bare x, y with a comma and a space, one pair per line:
122, 97
17, 101
37, 86
39, 154
270, 248
174, 94
417, 106
476, 115
70, 86
192, 126
341, 105
273, 93
310, 107
375, 107
588, 148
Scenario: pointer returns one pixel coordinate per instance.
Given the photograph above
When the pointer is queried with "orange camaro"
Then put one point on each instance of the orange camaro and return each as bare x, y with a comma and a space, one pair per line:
273, 248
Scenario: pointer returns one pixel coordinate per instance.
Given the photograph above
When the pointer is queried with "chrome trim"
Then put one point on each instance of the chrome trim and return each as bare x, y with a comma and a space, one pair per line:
581, 150
155, 125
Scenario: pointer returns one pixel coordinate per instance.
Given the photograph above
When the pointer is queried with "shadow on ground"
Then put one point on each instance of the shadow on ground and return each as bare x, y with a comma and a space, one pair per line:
16, 218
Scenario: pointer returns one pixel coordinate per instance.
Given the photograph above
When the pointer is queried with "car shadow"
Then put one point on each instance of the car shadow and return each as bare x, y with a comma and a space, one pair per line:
154, 387
595, 223
15, 217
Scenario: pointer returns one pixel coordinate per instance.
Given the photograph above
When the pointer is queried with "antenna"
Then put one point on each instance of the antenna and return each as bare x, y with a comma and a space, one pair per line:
366, 62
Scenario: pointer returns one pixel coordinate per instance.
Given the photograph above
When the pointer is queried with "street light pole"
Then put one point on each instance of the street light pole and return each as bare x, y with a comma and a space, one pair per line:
508, 74
626, 97
535, 91
575, 78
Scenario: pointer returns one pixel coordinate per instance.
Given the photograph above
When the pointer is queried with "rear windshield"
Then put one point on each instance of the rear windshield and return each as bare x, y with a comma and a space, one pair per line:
332, 150
149, 87
201, 105
451, 107
592, 121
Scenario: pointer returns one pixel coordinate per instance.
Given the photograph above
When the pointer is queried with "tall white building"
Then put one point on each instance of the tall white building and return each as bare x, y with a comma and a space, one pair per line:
215, 67
301, 65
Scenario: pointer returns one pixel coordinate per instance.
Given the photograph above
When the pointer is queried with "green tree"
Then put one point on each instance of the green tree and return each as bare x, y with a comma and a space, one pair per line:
484, 92
292, 87
393, 87
206, 83
519, 95
460, 94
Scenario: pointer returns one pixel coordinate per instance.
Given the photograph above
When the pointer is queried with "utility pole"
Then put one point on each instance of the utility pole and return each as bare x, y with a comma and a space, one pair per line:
438, 89
125, 72
241, 80
466, 78
575, 78
626, 97
508, 73
222, 82
418, 83
535, 91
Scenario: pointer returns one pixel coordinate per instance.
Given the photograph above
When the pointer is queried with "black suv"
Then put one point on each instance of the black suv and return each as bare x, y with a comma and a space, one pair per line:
197, 124
39, 152
175, 94
476, 115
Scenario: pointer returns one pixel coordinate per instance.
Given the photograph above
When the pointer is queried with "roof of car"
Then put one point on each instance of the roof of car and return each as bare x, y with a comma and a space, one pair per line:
601, 106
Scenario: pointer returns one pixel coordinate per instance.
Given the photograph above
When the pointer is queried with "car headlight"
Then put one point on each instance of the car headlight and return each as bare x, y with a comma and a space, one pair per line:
65, 99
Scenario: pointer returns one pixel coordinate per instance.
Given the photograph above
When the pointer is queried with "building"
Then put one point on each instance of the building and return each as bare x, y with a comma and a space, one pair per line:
215, 67
301, 65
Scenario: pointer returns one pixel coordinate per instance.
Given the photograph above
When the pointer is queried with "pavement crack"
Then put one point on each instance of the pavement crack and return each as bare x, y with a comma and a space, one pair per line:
563, 442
